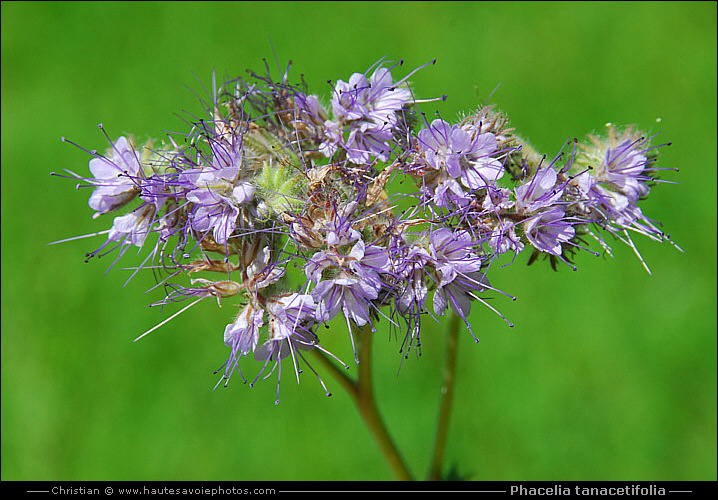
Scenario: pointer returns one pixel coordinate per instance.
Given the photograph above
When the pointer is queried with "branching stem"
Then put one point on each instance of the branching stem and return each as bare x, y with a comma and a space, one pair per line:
362, 392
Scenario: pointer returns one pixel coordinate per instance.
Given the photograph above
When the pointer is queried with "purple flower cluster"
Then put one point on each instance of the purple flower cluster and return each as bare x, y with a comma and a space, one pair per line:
272, 180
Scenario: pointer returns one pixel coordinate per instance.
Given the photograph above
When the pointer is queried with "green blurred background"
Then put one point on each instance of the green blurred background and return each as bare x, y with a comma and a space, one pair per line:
609, 373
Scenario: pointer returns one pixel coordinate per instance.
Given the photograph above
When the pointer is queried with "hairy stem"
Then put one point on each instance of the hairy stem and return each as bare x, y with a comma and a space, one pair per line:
446, 399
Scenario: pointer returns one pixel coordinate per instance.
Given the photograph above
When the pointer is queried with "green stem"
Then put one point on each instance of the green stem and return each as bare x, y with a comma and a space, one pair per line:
366, 403
362, 392
446, 399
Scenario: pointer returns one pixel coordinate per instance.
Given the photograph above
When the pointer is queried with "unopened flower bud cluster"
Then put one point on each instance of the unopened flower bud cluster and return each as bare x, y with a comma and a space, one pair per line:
298, 210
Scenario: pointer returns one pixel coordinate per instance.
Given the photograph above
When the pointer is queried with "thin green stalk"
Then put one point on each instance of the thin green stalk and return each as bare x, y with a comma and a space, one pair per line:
366, 403
362, 392
446, 399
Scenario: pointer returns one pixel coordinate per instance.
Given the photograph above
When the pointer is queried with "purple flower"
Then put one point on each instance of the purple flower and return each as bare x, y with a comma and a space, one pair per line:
620, 210
309, 120
340, 230
217, 193
345, 292
413, 297
115, 177
615, 181
503, 238
375, 100
348, 293
170, 222
452, 148
411, 300
219, 217
445, 193
242, 336
291, 318
156, 189
612, 190
452, 253
539, 192
309, 106
547, 230
260, 273
624, 166
367, 261
133, 227
354, 286
366, 109
458, 270
316, 266
497, 199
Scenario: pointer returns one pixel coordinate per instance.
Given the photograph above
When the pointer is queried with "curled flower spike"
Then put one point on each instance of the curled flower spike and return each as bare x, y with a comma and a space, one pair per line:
299, 213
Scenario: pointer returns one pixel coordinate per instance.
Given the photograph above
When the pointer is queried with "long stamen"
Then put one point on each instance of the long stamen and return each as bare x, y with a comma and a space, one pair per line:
161, 323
